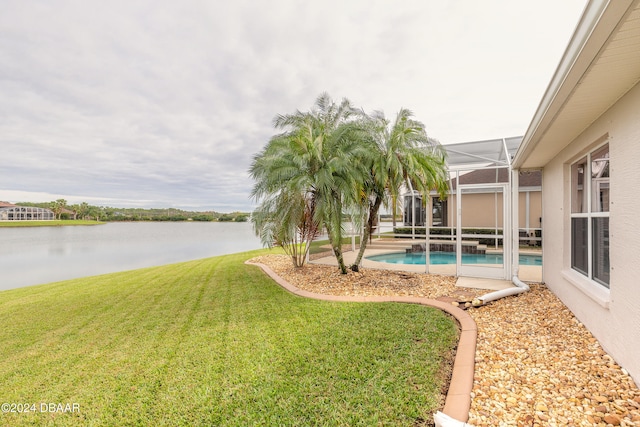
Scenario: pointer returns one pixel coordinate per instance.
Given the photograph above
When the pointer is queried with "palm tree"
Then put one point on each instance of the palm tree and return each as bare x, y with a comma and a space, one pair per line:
401, 154
308, 175
84, 210
285, 216
58, 206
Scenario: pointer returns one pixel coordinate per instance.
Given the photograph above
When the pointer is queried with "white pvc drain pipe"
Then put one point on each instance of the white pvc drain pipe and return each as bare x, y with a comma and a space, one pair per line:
492, 296
444, 420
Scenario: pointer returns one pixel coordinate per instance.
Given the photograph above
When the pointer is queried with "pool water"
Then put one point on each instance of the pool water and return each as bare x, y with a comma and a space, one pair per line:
450, 258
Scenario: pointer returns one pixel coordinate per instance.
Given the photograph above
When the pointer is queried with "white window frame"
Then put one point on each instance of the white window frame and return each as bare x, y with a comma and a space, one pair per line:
587, 183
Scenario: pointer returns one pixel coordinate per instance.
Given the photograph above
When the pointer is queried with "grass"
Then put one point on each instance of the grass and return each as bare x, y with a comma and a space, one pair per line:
53, 223
320, 246
215, 342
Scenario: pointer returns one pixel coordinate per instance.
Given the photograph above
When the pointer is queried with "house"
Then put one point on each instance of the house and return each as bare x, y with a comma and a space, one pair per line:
11, 212
585, 138
68, 213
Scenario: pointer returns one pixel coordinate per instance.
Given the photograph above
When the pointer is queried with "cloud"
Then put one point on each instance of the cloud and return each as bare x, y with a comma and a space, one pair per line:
167, 102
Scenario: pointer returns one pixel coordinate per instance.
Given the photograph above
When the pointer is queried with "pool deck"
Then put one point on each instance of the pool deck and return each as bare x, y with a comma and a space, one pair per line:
527, 273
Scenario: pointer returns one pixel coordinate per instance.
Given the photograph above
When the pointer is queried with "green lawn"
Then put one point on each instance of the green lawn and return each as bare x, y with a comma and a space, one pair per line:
53, 223
215, 342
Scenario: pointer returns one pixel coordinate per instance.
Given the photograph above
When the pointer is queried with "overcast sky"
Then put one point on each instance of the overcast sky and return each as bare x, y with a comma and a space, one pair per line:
163, 104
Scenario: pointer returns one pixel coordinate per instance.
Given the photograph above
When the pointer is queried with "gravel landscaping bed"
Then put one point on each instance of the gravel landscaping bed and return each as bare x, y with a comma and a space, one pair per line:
536, 365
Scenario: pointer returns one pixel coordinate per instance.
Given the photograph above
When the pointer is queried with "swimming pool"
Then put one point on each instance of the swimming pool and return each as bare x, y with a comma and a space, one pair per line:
450, 258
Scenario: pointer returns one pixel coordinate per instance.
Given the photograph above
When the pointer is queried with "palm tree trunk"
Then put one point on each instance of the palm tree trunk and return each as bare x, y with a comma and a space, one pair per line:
338, 252
373, 212
394, 204
336, 247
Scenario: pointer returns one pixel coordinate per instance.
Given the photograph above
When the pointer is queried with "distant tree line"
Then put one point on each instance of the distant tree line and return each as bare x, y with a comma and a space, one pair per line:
63, 210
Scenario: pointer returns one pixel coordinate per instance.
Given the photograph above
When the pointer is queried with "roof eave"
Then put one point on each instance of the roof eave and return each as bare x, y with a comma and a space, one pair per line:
599, 19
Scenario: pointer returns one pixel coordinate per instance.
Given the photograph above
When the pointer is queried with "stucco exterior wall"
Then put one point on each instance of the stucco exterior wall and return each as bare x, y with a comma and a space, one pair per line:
481, 210
535, 209
613, 316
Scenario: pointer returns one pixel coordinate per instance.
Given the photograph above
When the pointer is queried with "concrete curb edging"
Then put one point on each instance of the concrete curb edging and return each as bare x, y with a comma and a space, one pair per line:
458, 400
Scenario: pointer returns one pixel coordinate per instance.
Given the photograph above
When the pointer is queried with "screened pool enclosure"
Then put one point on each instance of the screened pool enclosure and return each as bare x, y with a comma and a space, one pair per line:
25, 213
490, 209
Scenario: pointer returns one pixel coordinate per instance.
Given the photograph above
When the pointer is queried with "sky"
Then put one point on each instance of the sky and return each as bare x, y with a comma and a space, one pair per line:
164, 103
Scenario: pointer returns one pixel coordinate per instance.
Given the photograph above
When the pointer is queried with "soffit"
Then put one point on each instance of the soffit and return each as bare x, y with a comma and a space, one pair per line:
613, 71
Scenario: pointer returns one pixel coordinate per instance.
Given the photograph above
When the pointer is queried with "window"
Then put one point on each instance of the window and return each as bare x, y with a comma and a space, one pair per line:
414, 213
590, 215
439, 212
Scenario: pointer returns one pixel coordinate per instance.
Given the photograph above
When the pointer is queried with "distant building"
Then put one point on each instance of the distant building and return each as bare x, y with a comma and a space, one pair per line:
11, 212
67, 213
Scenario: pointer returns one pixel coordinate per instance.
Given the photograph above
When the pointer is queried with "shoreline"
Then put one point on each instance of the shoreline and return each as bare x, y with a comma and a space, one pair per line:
52, 223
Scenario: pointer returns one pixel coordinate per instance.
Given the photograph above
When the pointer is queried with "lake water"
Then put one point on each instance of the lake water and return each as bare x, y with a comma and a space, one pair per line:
34, 255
